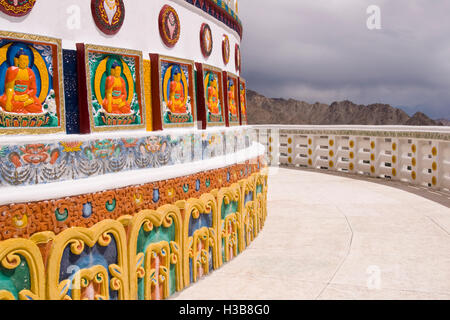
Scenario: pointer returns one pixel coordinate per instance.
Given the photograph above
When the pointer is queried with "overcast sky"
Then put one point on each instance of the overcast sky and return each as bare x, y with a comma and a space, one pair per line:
323, 51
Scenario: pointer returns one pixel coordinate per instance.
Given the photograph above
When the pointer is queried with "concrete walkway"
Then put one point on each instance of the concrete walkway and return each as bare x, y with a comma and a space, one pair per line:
331, 237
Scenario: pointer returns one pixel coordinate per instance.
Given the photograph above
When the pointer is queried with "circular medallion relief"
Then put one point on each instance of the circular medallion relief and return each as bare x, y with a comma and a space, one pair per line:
17, 8
238, 58
108, 15
206, 40
226, 49
169, 26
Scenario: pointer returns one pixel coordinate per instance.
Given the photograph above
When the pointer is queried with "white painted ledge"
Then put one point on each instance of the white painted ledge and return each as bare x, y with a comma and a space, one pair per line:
126, 134
58, 190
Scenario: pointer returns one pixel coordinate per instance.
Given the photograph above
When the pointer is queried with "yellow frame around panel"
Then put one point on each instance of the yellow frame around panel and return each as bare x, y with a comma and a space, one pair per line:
140, 66
193, 208
191, 82
131, 265
77, 238
58, 69
10, 252
228, 195
261, 198
249, 220
148, 219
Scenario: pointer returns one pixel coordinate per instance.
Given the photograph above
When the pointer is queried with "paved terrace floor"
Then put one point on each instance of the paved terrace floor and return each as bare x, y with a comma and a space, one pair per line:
332, 237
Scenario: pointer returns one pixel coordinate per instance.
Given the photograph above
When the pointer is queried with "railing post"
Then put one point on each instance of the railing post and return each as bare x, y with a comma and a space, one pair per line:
444, 164
351, 154
362, 155
290, 148
273, 147
417, 161
404, 149
312, 150
374, 169
332, 147
395, 159
435, 168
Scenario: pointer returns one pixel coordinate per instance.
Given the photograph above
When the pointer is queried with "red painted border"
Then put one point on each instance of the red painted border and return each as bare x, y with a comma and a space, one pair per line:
201, 103
85, 125
155, 92
225, 96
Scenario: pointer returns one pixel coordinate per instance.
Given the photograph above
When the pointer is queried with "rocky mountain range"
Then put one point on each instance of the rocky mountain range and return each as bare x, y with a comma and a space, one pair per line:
262, 110
445, 122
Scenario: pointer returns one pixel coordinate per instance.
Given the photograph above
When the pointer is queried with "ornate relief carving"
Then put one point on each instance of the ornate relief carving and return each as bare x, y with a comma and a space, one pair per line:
17, 8
169, 26
155, 253
21, 271
206, 40
108, 15
89, 274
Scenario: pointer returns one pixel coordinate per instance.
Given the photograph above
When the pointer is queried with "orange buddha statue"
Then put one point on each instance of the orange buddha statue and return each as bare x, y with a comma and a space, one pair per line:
116, 92
176, 102
213, 96
20, 87
232, 98
243, 102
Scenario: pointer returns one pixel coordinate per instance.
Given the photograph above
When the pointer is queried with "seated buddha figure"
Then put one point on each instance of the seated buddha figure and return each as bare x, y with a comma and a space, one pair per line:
232, 98
176, 102
116, 92
213, 96
243, 102
20, 87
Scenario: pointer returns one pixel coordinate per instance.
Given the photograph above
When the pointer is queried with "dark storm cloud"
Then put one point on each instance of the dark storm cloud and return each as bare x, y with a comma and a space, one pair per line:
322, 50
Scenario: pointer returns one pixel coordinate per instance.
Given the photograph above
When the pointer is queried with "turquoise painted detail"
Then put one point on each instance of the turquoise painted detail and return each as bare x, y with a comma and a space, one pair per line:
111, 206
228, 209
186, 188
61, 217
145, 239
20, 88
17, 279
258, 188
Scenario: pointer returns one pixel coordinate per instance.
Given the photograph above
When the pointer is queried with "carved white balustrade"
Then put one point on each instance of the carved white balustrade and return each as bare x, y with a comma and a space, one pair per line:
416, 155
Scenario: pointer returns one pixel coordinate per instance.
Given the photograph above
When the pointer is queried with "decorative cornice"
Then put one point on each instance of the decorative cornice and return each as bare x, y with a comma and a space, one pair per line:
221, 11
